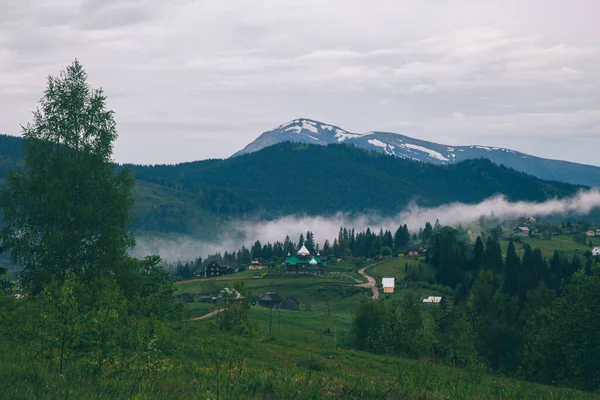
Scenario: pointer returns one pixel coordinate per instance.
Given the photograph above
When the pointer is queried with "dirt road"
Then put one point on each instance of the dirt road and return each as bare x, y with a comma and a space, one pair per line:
205, 316
371, 283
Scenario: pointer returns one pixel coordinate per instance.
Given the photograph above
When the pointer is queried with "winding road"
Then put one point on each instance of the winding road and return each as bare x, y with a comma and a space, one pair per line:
371, 282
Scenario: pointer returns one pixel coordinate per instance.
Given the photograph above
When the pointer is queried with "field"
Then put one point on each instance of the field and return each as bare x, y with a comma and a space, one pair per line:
332, 292
563, 243
203, 363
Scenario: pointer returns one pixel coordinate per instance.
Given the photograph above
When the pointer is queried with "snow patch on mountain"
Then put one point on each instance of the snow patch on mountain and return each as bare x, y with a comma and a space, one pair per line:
432, 153
303, 125
377, 143
343, 135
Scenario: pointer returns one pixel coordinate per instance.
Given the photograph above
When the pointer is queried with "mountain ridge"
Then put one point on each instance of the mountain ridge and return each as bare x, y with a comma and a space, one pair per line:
304, 130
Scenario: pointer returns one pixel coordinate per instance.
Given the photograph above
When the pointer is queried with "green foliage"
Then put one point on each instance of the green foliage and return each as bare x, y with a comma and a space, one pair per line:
155, 288
563, 345
396, 330
68, 210
235, 317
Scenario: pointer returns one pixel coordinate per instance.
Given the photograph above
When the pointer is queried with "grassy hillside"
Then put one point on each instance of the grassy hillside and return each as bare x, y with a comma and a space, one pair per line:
204, 363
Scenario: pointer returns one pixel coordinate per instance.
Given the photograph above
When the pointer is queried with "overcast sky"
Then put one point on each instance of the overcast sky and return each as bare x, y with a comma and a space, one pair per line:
191, 80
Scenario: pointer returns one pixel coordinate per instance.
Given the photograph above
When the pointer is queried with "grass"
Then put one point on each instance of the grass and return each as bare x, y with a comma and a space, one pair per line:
333, 292
322, 328
563, 243
199, 362
393, 268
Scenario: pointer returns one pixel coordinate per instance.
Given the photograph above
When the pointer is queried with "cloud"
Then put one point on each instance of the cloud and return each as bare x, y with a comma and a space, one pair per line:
247, 232
259, 63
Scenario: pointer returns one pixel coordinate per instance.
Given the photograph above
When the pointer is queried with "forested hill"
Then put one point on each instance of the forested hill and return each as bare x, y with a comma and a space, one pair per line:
299, 178
11, 153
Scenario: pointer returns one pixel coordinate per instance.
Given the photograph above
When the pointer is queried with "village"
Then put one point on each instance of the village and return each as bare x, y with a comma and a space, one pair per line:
389, 273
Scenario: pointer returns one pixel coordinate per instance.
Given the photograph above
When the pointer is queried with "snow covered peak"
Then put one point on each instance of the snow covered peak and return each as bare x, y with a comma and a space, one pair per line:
298, 125
305, 130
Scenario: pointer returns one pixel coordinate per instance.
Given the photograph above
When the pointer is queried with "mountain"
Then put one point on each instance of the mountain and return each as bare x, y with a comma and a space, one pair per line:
313, 132
292, 178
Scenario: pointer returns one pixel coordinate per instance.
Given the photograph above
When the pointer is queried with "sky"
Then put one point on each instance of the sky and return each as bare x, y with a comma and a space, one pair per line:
191, 80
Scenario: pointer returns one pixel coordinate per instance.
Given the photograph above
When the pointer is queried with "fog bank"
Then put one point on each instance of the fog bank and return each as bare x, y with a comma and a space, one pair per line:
175, 248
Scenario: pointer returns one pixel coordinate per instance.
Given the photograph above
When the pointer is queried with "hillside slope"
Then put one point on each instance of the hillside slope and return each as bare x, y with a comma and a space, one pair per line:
287, 178
313, 132
298, 178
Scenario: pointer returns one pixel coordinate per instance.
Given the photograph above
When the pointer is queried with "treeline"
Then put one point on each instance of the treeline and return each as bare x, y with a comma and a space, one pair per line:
348, 244
522, 316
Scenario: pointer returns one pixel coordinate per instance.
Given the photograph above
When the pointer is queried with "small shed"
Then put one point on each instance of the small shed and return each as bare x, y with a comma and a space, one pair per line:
186, 298
290, 304
596, 251
388, 285
432, 300
270, 300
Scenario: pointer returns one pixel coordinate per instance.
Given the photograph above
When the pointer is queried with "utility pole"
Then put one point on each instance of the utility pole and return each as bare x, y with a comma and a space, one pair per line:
270, 319
335, 333
279, 326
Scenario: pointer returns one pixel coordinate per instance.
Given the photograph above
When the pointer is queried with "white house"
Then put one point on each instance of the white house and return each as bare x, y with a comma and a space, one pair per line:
388, 285
596, 251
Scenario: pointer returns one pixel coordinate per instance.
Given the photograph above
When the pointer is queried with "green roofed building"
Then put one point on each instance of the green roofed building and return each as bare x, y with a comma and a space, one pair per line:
303, 261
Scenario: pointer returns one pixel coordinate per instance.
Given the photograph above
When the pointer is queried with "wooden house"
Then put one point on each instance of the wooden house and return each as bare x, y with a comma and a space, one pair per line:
186, 298
290, 304
413, 250
214, 269
270, 300
257, 265
522, 231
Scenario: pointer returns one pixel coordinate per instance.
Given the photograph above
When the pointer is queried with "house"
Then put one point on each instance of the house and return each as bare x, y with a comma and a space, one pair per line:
413, 250
214, 269
388, 285
522, 231
290, 304
432, 300
256, 265
590, 233
596, 251
597, 232
530, 220
229, 295
186, 298
303, 261
270, 300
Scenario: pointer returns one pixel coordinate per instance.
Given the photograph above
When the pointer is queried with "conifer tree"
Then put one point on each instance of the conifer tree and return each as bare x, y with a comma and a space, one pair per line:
478, 254
512, 271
